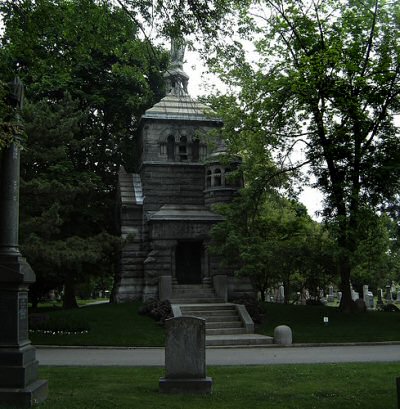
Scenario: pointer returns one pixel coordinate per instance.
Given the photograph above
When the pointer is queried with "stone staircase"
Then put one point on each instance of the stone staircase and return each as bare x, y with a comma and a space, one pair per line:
221, 319
193, 294
226, 324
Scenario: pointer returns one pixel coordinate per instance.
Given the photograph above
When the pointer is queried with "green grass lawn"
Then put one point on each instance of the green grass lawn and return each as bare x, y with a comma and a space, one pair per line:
344, 386
109, 325
307, 324
121, 325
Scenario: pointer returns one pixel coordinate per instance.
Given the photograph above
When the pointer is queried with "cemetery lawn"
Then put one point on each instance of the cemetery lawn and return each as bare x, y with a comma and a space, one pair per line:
308, 326
121, 325
108, 325
328, 386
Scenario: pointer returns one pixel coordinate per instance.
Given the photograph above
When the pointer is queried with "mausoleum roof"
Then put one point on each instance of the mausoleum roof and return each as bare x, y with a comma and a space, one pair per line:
178, 104
180, 107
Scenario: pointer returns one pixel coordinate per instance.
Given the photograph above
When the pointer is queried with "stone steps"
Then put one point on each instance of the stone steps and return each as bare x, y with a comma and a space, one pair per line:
193, 294
198, 300
224, 326
238, 339
219, 326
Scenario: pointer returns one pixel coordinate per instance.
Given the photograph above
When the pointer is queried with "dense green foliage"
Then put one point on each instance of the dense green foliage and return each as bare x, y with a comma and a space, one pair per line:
88, 79
331, 386
275, 242
325, 78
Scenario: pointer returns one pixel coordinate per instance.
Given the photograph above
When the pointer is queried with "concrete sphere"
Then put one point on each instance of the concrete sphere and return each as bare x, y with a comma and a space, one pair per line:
283, 335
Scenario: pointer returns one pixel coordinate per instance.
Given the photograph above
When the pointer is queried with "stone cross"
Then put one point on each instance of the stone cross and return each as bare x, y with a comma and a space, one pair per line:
185, 357
19, 385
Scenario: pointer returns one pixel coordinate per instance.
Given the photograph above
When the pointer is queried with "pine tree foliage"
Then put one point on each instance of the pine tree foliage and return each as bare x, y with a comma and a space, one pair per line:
88, 79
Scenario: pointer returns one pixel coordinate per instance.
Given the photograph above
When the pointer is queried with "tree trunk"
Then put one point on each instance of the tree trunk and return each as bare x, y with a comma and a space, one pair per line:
35, 301
69, 299
347, 305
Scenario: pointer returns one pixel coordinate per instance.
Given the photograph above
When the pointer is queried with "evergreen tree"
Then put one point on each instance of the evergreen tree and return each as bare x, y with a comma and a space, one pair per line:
88, 79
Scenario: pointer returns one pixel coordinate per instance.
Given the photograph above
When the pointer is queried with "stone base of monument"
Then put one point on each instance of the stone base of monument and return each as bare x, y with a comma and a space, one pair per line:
19, 383
18, 377
27, 397
195, 386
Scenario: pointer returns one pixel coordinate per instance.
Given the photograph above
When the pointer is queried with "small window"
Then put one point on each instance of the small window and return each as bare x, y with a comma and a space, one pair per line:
171, 147
163, 149
209, 176
229, 180
217, 177
183, 148
196, 150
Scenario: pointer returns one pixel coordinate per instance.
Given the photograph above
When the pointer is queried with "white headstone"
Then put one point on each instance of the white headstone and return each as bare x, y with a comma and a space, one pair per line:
331, 296
365, 294
280, 294
355, 295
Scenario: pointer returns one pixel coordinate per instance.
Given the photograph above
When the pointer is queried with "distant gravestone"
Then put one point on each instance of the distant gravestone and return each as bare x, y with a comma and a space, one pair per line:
380, 297
185, 357
388, 294
355, 295
370, 303
281, 295
365, 294
331, 295
303, 297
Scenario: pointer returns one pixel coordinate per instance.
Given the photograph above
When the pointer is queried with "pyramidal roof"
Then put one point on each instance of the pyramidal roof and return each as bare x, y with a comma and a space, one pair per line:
178, 104
174, 106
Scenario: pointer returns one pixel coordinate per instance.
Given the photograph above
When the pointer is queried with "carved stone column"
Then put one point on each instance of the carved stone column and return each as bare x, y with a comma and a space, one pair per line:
19, 384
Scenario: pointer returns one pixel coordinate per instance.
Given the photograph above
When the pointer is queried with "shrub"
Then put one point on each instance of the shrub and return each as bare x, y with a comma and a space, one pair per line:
253, 307
390, 308
158, 310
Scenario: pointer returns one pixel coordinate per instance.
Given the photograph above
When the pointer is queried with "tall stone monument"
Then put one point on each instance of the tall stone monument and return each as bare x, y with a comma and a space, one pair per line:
19, 384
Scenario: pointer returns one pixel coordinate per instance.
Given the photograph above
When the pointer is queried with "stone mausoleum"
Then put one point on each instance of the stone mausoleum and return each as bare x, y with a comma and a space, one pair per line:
165, 206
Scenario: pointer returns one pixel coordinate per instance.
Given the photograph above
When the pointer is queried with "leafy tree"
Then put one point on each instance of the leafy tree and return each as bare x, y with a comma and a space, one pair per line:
326, 78
275, 242
88, 79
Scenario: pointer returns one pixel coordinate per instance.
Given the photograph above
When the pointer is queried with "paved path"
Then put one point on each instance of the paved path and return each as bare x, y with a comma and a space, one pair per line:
64, 356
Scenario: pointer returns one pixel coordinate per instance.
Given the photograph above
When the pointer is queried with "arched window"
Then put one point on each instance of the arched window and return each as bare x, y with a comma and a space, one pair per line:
183, 148
209, 176
229, 177
195, 150
217, 177
171, 147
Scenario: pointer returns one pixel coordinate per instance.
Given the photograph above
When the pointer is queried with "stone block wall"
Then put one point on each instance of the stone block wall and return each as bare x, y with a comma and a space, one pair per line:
172, 184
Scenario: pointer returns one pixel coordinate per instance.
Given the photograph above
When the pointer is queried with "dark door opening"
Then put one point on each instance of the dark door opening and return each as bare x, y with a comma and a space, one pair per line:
188, 262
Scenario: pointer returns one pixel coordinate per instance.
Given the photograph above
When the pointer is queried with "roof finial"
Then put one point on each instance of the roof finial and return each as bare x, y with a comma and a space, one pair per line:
178, 46
177, 79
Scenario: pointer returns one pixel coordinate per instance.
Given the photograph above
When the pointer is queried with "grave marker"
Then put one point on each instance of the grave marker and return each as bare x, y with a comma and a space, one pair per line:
185, 357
